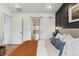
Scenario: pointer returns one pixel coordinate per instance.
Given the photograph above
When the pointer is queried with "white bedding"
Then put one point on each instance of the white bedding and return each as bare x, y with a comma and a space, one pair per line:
71, 48
45, 48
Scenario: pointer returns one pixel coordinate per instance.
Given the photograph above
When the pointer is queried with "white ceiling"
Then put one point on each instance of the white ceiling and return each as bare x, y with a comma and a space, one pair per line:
34, 7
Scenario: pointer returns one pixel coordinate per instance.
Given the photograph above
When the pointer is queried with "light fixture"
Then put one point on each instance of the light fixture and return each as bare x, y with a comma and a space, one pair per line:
57, 28
17, 6
49, 6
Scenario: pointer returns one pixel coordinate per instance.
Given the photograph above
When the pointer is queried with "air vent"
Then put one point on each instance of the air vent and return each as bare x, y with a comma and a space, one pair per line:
19, 9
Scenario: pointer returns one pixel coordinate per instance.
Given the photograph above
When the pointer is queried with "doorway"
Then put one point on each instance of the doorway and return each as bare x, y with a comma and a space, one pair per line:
42, 28
35, 28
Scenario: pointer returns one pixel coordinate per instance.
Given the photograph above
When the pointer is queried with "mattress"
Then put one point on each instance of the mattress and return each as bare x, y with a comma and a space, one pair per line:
45, 48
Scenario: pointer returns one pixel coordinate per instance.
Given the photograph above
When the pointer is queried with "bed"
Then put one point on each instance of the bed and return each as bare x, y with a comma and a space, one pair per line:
70, 48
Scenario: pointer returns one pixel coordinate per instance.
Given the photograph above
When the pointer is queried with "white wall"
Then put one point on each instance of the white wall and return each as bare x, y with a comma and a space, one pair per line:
3, 10
28, 23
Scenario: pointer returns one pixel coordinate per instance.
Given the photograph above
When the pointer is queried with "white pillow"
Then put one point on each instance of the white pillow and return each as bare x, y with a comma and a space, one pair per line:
67, 38
61, 36
57, 36
64, 37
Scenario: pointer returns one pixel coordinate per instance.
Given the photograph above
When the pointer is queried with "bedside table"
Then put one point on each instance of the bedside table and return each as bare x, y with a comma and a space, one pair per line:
2, 50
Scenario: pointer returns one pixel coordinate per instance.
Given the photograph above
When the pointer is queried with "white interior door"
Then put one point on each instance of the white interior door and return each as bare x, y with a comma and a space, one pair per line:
27, 25
46, 28
43, 29
7, 29
17, 31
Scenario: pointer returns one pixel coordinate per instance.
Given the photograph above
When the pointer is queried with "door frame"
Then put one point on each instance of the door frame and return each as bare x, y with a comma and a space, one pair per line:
33, 26
4, 20
22, 30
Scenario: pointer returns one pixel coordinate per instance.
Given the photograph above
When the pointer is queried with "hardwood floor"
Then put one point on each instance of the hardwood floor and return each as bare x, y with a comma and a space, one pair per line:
10, 48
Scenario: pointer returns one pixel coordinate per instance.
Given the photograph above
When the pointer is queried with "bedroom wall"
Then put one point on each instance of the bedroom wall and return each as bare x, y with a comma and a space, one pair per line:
62, 16
27, 20
3, 10
62, 21
73, 31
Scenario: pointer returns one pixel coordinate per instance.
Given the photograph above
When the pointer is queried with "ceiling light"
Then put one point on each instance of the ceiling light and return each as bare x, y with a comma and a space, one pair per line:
49, 6
17, 6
